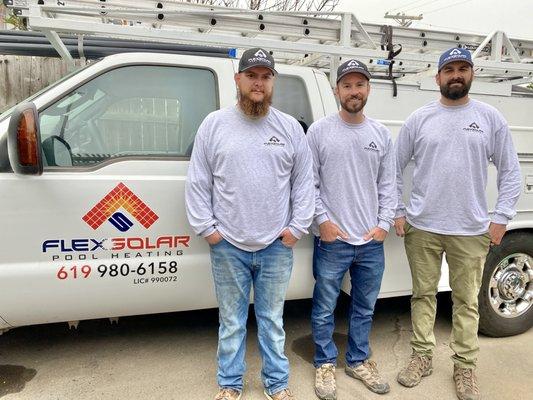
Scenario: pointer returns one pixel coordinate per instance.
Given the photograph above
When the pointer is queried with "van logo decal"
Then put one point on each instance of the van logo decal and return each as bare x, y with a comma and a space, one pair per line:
107, 209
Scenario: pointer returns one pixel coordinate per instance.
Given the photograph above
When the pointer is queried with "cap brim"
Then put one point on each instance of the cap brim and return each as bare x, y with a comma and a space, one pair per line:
258, 65
366, 74
451, 61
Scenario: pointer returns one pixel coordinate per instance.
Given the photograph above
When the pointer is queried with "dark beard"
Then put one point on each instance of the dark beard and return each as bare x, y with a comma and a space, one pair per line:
455, 93
255, 109
353, 109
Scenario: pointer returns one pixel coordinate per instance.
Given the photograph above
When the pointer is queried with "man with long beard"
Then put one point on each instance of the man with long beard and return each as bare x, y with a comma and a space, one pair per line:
452, 142
249, 193
355, 200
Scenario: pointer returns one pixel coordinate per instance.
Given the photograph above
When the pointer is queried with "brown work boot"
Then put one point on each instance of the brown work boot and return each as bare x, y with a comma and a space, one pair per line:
368, 373
325, 387
284, 394
228, 394
466, 383
419, 366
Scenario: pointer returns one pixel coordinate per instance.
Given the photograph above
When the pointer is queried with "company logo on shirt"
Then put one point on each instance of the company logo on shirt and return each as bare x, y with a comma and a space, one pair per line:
274, 141
372, 147
473, 127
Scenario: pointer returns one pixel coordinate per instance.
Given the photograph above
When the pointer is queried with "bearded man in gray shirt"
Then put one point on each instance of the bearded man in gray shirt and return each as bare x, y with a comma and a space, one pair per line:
250, 194
452, 141
355, 198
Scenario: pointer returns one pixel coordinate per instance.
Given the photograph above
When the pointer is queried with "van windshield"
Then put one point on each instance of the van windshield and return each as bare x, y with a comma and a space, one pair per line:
8, 112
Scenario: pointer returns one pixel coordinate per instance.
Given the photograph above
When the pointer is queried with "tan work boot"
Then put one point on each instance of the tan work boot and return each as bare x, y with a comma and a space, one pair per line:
228, 394
325, 387
368, 373
466, 385
419, 366
284, 394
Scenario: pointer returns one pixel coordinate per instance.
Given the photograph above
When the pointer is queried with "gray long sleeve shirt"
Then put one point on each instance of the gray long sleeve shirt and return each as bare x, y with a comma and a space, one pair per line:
250, 179
452, 147
354, 175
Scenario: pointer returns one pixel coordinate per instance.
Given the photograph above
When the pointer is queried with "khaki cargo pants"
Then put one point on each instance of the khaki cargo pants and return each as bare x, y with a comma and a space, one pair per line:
465, 256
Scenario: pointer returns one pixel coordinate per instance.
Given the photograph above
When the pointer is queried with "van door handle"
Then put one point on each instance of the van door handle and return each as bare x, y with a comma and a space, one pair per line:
529, 183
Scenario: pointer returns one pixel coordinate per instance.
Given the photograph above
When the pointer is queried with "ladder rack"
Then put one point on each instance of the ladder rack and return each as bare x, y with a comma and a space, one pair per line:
319, 39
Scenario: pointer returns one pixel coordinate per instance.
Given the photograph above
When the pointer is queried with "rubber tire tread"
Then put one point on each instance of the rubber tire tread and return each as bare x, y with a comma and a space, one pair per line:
490, 323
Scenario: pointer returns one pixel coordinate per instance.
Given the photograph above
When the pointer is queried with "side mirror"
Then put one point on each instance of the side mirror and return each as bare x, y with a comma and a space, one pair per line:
57, 152
24, 140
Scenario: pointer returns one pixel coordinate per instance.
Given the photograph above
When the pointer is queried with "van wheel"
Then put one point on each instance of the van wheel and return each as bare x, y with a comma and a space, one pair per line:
506, 295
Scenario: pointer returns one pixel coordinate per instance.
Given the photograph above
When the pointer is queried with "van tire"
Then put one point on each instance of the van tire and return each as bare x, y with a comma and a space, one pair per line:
503, 308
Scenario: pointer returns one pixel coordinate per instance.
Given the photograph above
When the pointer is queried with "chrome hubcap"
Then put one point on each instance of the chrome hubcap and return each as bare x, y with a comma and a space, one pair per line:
511, 287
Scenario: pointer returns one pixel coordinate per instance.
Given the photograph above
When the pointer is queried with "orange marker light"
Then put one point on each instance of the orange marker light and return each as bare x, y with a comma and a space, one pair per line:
27, 139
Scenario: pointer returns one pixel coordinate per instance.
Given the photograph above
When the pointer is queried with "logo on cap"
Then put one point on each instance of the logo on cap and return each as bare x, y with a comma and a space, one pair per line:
350, 66
260, 53
455, 54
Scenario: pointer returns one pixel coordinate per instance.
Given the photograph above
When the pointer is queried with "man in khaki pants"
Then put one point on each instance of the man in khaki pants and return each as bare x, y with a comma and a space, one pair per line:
452, 141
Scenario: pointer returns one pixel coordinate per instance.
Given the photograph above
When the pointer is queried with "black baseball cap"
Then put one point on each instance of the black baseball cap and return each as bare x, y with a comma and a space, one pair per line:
256, 57
350, 66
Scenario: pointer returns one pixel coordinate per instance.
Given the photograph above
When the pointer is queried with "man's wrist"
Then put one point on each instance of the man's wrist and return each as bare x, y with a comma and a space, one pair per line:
385, 225
209, 231
295, 232
322, 218
499, 219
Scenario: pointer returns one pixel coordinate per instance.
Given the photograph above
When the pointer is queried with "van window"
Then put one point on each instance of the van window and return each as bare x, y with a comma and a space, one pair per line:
290, 96
134, 111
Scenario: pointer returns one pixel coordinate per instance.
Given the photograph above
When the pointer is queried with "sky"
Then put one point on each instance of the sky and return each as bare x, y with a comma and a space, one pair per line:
514, 17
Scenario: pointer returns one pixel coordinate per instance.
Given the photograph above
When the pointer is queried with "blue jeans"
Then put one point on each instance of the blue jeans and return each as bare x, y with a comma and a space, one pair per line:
234, 272
330, 262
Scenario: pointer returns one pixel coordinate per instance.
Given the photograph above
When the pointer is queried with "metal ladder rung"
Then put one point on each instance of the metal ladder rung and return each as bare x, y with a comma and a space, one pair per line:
306, 38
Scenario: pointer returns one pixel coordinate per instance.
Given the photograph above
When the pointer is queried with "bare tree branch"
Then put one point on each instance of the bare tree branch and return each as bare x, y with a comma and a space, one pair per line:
273, 5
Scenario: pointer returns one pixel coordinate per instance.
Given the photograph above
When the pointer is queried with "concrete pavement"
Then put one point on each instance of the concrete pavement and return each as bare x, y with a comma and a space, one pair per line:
172, 356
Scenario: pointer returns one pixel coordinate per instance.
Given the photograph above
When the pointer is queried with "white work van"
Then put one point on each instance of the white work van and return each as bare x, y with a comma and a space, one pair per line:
92, 177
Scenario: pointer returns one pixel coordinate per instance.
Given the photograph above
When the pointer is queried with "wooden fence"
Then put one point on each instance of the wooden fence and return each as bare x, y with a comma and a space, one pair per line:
22, 76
